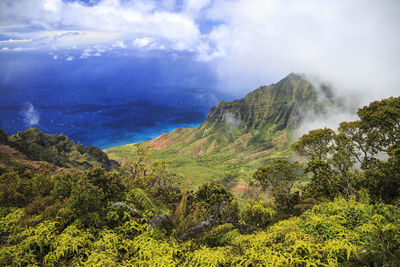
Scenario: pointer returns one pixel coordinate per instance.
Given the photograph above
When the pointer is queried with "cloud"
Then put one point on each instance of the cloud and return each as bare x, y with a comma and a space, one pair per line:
62, 24
15, 41
141, 42
351, 44
231, 120
31, 115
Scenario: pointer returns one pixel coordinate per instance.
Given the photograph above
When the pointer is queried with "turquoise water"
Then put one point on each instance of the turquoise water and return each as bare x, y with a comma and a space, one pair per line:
104, 101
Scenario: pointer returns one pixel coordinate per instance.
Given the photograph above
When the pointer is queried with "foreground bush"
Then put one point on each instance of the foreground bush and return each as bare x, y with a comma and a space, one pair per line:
343, 232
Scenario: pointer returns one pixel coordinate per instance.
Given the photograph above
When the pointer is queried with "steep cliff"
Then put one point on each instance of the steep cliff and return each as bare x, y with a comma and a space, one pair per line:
240, 135
283, 104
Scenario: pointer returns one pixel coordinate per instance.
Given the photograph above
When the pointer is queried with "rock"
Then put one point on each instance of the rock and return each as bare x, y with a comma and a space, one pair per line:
199, 229
126, 206
162, 221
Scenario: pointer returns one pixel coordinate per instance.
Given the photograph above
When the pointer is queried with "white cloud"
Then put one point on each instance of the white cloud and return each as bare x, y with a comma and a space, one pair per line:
351, 44
69, 58
141, 42
119, 44
231, 120
107, 21
16, 49
194, 7
11, 41
31, 115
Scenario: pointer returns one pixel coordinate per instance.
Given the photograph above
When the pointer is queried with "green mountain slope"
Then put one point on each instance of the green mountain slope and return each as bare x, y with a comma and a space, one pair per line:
56, 149
237, 137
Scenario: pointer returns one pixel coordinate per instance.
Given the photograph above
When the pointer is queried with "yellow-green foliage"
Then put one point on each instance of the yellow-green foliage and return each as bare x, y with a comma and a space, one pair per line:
258, 214
221, 235
10, 220
328, 235
340, 232
70, 245
206, 256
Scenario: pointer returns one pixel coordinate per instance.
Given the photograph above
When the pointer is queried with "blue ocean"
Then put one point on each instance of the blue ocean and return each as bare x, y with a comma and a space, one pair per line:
105, 101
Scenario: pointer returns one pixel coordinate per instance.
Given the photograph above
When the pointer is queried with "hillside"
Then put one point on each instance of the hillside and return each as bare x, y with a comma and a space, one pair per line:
33, 145
238, 136
141, 215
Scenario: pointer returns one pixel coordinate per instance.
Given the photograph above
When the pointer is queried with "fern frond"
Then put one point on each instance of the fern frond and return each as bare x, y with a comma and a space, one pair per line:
229, 236
142, 199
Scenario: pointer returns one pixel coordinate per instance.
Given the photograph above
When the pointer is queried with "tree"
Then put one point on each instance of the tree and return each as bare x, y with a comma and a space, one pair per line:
363, 153
316, 145
279, 178
212, 193
152, 176
3, 137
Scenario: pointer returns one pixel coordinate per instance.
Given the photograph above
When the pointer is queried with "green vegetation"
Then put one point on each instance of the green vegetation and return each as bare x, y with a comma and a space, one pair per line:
348, 214
237, 137
57, 149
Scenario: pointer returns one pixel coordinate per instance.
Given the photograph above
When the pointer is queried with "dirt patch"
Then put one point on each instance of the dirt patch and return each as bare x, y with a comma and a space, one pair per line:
255, 155
12, 152
179, 130
190, 138
19, 160
122, 161
212, 146
239, 186
240, 143
198, 147
160, 142
280, 140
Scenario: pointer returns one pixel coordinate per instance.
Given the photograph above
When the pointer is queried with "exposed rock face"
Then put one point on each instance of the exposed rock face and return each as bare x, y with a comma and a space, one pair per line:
283, 104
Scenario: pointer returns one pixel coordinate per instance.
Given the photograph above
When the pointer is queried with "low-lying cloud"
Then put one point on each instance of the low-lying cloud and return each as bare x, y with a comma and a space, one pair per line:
231, 120
31, 115
353, 45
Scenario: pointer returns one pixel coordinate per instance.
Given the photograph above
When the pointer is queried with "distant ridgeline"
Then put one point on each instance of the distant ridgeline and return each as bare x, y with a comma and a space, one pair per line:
242, 134
56, 149
257, 123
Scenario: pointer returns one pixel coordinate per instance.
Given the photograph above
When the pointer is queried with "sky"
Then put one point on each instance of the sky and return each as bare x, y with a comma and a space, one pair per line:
232, 46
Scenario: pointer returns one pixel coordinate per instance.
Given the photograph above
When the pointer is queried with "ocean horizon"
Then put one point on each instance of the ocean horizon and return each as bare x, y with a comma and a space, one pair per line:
104, 101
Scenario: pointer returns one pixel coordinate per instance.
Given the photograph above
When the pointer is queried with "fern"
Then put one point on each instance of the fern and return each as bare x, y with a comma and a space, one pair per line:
139, 197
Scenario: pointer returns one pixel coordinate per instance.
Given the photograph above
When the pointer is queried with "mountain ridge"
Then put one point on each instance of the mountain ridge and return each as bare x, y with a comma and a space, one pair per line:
56, 149
238, 136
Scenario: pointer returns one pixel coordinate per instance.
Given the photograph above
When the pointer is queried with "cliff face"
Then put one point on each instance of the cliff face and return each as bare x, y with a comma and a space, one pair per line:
239, 136
256, 125
283, 104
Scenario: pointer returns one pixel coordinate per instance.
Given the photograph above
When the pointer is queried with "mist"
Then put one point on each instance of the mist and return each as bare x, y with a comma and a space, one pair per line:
351, 45
31, 115
231, 120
